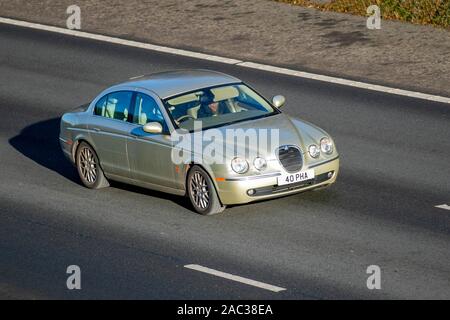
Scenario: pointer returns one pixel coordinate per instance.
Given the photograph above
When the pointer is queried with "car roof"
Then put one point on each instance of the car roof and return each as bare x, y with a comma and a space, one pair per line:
171, 83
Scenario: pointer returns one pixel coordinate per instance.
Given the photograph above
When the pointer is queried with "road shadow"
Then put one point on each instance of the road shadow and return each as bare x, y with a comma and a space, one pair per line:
346, 39
40, 143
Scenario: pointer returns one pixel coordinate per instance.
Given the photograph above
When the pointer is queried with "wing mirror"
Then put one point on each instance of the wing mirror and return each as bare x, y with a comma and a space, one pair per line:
278, 101
153, 127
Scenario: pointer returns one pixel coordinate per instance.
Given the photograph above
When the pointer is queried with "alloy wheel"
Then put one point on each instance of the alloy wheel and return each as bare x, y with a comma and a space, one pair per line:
88, 165
200, 191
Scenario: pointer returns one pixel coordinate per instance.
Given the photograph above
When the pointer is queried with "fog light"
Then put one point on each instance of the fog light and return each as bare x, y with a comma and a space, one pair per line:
330, 174
251, 192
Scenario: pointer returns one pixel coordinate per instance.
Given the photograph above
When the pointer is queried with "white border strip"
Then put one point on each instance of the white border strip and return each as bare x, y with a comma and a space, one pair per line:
443, 206
229, 276
252, 65
345, 82
130, 43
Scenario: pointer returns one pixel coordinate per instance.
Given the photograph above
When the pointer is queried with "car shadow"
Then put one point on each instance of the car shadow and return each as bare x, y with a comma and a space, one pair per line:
39, 142
179, 200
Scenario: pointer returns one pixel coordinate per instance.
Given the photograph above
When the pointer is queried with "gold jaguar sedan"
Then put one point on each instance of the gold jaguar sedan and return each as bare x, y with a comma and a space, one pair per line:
199, 133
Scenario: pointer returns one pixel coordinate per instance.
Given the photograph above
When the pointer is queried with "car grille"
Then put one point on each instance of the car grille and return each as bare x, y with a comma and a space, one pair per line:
290, 158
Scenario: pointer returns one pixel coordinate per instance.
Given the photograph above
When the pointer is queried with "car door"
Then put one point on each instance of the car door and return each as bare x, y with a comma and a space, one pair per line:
109, 129
150, 154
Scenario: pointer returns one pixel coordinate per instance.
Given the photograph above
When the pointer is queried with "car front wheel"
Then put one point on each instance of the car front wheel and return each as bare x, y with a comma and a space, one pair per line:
202, 193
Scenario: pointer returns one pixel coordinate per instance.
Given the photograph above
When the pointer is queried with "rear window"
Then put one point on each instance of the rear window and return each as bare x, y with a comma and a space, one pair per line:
115, 105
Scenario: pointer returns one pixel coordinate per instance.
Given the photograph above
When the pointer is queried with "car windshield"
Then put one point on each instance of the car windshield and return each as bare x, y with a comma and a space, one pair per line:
217, 106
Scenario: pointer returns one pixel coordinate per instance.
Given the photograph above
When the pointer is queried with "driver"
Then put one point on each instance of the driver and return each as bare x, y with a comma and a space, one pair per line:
209, 107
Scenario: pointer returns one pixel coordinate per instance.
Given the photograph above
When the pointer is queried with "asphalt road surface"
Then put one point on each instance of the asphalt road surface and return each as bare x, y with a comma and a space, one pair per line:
134, 243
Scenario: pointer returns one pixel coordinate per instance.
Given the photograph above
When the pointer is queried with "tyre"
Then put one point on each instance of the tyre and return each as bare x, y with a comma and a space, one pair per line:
88, 166
202, 193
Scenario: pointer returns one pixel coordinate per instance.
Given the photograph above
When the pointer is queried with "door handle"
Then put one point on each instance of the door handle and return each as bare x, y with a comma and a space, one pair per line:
96, 129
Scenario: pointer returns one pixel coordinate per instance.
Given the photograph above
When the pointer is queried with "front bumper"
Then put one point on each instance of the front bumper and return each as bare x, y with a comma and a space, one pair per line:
266, 187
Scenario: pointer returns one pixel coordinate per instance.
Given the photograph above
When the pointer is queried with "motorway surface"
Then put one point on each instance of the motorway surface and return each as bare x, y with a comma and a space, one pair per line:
134, 243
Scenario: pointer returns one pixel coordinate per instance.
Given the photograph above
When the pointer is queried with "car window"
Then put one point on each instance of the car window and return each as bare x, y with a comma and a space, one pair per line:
100, 106
115, 105
147, 110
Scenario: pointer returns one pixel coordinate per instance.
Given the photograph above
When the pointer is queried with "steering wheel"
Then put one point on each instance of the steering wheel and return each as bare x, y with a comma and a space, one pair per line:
184, 118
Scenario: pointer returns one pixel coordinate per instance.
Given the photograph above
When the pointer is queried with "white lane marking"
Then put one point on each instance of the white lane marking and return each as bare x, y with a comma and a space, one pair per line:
443, 206
246, 64
229, 276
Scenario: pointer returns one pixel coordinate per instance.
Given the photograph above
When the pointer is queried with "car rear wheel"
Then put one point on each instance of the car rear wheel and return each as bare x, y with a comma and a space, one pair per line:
88, 166
202, 193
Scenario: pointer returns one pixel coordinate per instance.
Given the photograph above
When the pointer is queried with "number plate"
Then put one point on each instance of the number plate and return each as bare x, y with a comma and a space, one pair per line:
296, 177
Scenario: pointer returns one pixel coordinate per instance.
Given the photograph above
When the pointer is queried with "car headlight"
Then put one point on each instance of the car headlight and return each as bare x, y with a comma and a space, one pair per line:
326, 145
260, 163
314, 151
239, 165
